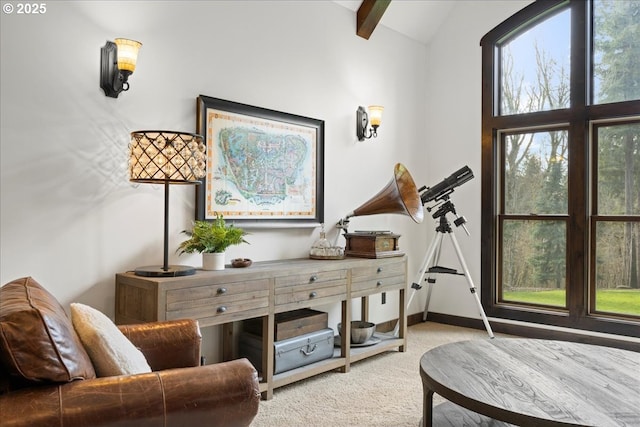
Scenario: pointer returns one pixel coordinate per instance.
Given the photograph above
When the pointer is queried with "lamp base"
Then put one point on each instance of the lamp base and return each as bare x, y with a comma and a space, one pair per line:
159, 271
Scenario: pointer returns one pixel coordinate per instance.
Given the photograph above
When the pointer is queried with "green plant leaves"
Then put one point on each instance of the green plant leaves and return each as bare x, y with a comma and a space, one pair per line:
212, 237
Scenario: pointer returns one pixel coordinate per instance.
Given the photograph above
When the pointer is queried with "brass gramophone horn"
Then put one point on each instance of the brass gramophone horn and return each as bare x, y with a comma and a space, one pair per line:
400, 196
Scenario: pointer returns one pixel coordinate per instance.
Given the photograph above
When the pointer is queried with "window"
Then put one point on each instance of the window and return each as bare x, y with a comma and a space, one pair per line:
561, 166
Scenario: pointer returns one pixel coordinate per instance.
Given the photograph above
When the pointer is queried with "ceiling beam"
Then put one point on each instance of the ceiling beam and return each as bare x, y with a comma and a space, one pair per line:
369, 14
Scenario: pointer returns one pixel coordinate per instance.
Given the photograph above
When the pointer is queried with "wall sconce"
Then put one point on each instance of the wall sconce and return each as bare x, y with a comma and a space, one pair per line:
363, 120
117, 63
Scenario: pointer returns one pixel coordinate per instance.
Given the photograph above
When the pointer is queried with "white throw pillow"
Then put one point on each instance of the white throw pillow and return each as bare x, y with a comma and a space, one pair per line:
110, 351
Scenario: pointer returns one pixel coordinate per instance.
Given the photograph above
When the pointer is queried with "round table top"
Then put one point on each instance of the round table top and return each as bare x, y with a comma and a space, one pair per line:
537, 382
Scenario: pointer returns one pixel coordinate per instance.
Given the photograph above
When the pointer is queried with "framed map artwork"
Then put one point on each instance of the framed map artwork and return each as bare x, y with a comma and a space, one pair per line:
265, 168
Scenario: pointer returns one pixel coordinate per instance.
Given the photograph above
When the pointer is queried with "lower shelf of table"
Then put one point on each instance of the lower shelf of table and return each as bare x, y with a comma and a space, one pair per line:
386, 344
449, 414
333, 363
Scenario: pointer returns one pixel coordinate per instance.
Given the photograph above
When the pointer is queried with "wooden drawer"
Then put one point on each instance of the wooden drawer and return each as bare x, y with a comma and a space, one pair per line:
382, 270
304, 290
214, 304
383, 277
383, 284
312, 277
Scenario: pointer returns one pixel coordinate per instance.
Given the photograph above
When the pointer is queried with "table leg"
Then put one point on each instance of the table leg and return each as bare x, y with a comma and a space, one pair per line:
427, 409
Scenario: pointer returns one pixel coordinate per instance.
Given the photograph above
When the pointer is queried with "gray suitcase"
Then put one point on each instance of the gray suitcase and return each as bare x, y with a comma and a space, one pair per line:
290, 353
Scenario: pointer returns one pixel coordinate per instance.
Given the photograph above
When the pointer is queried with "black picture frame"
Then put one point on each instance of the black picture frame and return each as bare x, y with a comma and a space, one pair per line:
265, 168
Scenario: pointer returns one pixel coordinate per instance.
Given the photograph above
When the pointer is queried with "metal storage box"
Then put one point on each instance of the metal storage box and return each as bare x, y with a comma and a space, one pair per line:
290, 353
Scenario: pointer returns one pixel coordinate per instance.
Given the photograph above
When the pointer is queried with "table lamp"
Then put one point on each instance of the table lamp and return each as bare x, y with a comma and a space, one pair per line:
166, 157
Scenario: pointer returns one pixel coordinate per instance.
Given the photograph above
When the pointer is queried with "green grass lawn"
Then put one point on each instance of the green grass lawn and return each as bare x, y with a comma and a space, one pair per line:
623, 301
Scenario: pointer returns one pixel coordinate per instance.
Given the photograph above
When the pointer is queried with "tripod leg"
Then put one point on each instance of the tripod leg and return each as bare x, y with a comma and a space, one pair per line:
472, 288
426, 263
431, 281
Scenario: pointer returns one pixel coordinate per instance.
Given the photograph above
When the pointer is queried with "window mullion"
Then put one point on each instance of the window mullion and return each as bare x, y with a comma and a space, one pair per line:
580, 54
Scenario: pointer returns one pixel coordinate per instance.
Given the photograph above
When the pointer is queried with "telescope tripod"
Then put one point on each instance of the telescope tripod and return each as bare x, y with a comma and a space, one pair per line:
430, 263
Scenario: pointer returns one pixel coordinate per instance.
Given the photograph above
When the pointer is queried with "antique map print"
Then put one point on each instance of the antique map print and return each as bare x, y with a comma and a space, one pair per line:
259, 168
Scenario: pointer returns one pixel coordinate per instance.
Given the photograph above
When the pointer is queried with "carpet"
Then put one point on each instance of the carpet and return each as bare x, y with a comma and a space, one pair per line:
382, 391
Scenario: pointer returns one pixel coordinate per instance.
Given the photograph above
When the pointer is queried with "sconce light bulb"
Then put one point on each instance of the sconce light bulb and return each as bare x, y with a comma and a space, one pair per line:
127, 54
375, 115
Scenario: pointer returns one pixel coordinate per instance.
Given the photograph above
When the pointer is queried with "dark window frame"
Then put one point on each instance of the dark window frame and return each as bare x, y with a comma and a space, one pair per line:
579, 313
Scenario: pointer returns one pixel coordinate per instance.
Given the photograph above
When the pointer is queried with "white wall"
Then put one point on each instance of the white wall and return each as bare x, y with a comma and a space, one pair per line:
70, 218
453, 140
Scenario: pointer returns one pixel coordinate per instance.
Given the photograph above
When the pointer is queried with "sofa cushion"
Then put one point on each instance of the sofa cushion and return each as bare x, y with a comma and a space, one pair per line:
110, 350
37, 341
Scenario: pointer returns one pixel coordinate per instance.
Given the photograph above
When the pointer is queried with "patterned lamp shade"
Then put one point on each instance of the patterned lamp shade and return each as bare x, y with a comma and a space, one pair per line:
158, 156
166, 156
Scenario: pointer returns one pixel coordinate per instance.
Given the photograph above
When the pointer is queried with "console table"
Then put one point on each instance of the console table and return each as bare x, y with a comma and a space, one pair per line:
530, 382
264, 289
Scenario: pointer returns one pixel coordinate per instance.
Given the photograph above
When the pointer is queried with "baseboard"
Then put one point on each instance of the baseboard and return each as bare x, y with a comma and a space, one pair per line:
527, 331
447, 319
416, 318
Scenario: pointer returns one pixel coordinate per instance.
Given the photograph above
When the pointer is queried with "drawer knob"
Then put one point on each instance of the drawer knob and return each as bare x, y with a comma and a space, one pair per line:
222, 309
313, 294
379, 269
313, 278
379, 283
222, 291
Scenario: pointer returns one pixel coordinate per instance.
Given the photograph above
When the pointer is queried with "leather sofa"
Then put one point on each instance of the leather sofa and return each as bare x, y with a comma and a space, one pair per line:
47, 379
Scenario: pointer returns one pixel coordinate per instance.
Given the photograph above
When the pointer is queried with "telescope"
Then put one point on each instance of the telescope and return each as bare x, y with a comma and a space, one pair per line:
441, 190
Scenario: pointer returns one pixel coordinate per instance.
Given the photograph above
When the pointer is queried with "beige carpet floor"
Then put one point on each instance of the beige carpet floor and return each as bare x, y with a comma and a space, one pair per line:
384, 390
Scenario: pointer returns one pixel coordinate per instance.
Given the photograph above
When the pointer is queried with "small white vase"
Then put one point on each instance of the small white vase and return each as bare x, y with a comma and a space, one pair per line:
213, 261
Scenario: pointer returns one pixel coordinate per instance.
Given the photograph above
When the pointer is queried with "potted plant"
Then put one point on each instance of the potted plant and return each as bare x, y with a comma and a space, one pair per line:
212, 239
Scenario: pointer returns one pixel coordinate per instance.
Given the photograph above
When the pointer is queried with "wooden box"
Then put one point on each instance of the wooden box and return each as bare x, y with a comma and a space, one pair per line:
372, 244
291, 323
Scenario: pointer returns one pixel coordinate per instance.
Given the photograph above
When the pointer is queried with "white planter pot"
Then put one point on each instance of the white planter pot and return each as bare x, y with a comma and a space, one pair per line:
213, 261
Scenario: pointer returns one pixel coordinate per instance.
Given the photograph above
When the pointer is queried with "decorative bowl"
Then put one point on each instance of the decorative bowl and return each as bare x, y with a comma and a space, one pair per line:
241, 262
361, 331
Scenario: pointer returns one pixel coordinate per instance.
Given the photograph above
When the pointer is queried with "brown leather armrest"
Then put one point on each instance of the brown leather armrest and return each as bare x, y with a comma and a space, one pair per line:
166, 345
224, 394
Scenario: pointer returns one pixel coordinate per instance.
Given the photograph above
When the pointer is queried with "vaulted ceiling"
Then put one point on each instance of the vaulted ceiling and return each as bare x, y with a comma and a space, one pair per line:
416, 19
